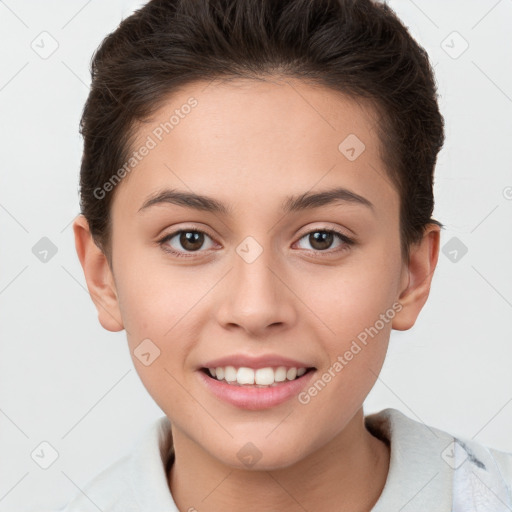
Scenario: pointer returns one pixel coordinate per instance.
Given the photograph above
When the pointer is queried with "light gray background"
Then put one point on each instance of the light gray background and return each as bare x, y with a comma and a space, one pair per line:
66, 381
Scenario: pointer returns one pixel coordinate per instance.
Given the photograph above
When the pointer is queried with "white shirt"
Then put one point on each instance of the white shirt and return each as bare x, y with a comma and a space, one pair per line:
430, 470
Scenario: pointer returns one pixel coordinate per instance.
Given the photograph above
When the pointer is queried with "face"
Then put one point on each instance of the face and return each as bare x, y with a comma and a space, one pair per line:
293, 261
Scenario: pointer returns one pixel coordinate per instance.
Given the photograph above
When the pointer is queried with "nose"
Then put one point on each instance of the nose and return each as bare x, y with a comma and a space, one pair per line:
257, 297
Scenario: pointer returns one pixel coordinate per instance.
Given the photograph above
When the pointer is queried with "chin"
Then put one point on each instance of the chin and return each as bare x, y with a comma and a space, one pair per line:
259, 456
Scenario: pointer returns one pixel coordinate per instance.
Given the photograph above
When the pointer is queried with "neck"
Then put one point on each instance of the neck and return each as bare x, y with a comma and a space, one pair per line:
346, 474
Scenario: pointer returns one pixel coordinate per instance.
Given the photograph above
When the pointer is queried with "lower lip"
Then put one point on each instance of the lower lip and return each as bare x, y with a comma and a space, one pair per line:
253, 398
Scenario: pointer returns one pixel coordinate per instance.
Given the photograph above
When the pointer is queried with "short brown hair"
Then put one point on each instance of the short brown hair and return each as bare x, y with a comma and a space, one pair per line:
357, 47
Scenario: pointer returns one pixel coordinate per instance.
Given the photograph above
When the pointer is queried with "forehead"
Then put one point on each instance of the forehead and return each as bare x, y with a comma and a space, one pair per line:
259, 137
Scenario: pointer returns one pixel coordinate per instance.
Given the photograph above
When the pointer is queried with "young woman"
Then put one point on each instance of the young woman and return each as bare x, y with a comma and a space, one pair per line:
256, 194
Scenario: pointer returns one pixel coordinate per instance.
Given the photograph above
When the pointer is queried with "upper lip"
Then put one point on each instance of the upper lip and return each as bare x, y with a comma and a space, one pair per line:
265, 361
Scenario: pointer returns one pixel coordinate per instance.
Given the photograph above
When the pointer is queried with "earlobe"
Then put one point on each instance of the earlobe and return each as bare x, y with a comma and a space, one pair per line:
98, 275
418, 278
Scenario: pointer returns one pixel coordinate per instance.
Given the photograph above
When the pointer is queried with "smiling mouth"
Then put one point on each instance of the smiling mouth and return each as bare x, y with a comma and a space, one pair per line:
259, 378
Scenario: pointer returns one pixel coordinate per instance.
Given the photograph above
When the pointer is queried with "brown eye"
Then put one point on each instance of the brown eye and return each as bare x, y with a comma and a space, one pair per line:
183, 241
191, 240
321, 240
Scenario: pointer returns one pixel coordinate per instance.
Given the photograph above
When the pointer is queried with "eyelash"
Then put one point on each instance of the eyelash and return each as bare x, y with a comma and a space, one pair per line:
347, 242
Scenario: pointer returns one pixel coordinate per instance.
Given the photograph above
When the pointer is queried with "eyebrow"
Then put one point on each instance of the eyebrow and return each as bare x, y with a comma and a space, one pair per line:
306, 201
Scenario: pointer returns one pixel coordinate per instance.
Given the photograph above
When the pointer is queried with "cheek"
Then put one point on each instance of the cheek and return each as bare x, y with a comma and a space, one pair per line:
355, 306
352, 298
154, 311
360, 320
159, 303
153, 297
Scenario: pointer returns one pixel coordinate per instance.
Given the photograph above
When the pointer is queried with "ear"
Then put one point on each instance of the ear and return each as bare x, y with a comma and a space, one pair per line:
417, 278
98, 275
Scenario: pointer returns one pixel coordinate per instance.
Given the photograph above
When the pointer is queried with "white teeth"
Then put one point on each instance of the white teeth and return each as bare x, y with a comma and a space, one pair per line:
244, 376
280, 374
291, 373
230, 374
261, 377
264, 376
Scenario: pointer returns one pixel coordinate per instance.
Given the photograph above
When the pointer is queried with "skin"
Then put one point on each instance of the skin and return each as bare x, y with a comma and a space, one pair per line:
250, 144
